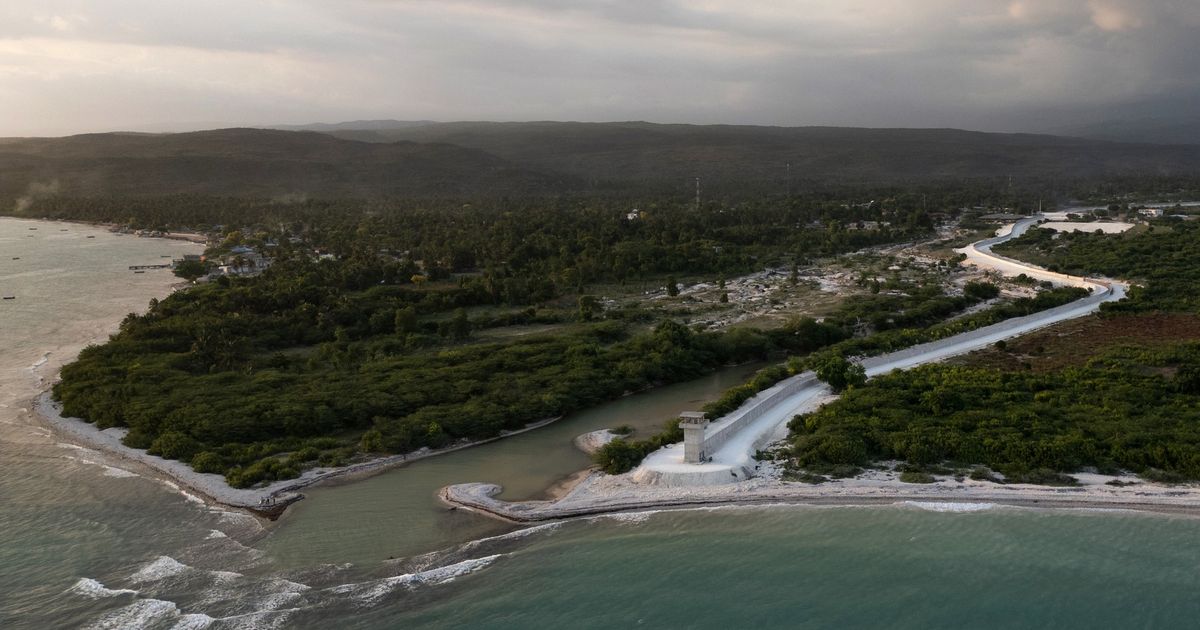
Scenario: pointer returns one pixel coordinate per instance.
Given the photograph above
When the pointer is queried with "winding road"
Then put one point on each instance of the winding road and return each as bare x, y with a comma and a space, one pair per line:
734, 461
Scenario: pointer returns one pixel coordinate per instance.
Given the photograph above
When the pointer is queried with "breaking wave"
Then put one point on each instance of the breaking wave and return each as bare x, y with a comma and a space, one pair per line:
368, 593
946, 506
160, 568
95, 590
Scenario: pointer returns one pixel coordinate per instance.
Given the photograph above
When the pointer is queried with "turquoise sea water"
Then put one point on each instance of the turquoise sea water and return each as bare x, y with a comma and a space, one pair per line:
798, 567
86, 543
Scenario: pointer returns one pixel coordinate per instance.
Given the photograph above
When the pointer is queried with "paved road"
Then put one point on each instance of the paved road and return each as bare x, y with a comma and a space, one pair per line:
734, 460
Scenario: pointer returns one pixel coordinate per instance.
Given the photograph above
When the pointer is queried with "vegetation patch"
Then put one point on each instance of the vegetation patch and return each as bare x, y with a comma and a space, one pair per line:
1162, 261
1111, 413
916, 477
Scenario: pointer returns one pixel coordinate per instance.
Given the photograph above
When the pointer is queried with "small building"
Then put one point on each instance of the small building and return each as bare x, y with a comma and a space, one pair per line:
693, 424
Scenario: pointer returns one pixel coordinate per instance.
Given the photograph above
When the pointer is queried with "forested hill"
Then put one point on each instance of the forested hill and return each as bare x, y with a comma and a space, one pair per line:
257, 163
726, 156
539, 158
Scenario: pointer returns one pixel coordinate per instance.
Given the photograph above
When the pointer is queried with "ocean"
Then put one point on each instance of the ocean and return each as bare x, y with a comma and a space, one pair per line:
87, 543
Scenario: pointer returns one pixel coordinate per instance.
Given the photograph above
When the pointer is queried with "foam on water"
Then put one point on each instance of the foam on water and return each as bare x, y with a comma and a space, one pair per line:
946, 506
40, 362
369, 593
216, 537
194, 621
225, 576
158, 569
96, 590
186, 495
109, 471
74, 446
119, 473
139, 614
280, 582
259, 620
628, 517
276, 601
520, 533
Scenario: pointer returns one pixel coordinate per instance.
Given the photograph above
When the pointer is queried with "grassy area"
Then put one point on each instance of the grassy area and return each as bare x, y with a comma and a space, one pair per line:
1075, 343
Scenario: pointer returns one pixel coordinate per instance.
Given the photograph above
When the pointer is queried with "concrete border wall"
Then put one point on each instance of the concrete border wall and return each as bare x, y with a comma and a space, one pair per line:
721, 431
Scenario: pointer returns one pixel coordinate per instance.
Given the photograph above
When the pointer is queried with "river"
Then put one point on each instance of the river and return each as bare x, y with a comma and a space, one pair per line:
84, 543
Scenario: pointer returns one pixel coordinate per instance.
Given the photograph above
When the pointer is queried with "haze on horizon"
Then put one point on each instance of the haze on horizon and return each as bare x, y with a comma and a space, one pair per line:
69, 66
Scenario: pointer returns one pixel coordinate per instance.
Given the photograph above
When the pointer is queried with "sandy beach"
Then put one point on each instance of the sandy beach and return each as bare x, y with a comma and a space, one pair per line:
604, 494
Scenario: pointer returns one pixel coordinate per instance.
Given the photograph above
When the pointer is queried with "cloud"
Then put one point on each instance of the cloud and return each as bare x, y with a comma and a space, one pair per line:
66, 66
1112, 18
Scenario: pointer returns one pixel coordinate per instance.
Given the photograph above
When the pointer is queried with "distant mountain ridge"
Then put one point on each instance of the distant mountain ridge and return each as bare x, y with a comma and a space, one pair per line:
1157, 130
535, 158
723, 155
258, 163
355, 125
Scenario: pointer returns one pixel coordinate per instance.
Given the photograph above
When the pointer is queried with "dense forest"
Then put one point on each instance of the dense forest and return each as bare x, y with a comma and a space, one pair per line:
387, 342
388, 326
597, 240
1131, 410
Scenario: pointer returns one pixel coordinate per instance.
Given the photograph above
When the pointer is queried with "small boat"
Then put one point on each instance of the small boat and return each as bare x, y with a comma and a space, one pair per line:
139, 271
64, 230
33, 228
92, 236
16, 258
10, 297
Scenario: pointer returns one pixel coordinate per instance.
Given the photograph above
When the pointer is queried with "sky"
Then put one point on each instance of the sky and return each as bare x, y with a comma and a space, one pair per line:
72, 66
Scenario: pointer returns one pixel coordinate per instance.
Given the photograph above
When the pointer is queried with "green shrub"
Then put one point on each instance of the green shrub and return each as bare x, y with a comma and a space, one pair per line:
981, 473
916, 477
208, 462
1161, 476
175, 445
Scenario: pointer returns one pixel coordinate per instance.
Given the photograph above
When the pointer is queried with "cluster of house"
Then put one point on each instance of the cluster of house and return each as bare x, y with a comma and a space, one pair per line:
1145, 211
121, 229
243, 261
240, 261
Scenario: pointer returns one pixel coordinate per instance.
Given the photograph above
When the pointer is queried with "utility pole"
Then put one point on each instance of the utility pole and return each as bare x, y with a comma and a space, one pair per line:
697, 193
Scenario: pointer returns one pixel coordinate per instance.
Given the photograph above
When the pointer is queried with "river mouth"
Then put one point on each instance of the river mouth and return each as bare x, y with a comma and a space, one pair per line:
397, 513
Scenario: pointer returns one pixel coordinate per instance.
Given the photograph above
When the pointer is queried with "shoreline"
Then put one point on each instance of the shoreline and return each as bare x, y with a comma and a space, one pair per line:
196, 238
599, 494
270, 501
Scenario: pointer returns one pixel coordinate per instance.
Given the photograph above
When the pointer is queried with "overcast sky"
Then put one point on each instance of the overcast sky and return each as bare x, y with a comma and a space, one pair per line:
70, 66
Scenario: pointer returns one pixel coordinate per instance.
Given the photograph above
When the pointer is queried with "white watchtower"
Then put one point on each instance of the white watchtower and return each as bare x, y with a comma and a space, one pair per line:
693, 424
